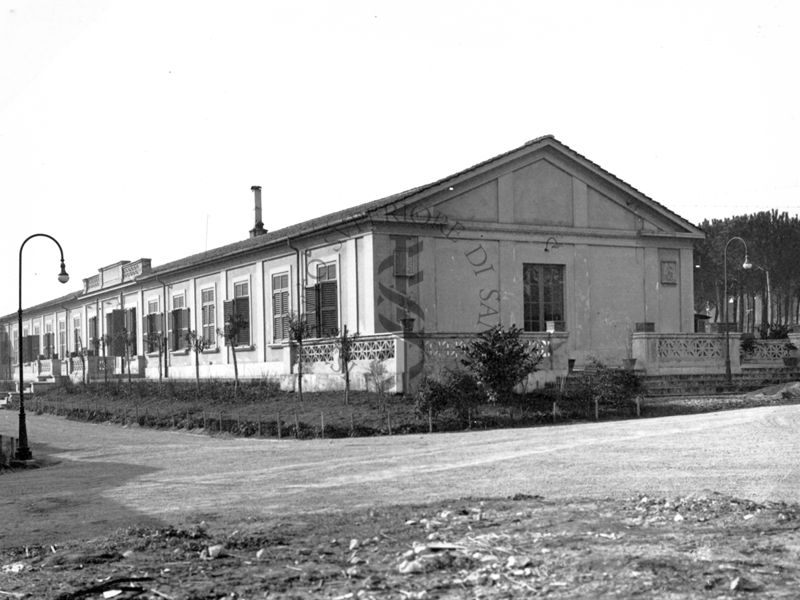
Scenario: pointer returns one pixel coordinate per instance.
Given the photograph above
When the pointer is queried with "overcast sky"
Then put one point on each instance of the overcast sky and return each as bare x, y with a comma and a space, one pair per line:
135, 129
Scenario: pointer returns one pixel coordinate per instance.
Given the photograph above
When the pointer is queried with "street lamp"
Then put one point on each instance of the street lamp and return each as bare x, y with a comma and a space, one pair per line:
745, 265
23, 451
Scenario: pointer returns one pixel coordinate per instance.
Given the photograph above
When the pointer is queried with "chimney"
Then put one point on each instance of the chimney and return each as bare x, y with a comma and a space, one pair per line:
259, 227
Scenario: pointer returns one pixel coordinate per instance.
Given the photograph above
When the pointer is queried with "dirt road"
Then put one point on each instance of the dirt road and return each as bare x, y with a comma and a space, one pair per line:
108, 476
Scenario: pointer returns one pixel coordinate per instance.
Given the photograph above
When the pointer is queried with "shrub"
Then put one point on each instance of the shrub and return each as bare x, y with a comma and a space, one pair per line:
500, 360
456, 390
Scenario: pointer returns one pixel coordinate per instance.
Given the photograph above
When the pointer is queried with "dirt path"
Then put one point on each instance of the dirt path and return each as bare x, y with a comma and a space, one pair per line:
109, 477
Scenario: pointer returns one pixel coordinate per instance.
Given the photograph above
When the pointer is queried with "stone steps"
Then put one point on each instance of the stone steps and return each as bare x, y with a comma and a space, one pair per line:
713, 384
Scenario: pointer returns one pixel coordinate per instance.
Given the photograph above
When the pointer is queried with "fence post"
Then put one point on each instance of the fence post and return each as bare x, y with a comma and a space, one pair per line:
296, 426
280, 433
322, 423
430, 419
389, 420
596, 409
554, 412
352, 424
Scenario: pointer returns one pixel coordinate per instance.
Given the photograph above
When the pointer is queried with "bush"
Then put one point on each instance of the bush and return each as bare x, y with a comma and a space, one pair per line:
457, 390
499, 360
614, 390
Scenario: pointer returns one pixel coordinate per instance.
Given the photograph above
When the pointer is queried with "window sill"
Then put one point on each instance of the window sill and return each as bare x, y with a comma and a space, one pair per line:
183, 352
214, 350
278, 345
152, 354
249, 348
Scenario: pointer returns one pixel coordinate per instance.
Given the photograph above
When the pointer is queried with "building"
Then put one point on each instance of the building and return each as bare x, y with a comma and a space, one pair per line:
539, 236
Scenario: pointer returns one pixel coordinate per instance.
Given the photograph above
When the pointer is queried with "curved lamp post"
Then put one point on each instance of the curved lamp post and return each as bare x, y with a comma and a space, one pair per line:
23, 451
745, 265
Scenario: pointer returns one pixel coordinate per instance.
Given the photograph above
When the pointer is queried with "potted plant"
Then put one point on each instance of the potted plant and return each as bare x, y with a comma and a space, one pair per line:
790, 358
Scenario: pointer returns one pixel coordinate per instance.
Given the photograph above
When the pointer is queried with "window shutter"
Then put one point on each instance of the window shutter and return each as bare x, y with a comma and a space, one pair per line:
227, 317
48, 345
26, 349
117, 337
92, 333
329, 308
147, 321
242, 308
130, 326
174, 329
312, 318
277, 329
285, 315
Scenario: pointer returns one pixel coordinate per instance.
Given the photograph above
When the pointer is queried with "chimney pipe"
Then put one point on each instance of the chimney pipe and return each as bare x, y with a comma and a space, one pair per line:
259, 224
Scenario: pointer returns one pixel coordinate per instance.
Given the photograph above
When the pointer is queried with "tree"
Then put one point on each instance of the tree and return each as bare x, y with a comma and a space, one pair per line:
155, 339
298, 332
773, 245
499, 360
346, 343
230, 333
197, 343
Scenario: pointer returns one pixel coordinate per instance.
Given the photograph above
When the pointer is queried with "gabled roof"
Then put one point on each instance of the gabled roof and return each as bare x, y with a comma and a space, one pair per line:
362, 211
395, 201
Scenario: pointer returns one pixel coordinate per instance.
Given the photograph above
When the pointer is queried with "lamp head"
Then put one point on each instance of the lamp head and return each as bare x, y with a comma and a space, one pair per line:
747, 264
63, 277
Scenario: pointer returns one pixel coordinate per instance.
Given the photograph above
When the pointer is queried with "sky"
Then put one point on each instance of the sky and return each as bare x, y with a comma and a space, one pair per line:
135, 129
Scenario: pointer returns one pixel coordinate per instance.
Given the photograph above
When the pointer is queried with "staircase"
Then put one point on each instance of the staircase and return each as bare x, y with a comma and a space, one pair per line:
716, 383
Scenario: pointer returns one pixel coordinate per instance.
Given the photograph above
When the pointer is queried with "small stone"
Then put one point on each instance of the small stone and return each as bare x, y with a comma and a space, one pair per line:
748, 517
212, 552
354, 543
408, 555
411, 566
518, 562
743, 584
127, 554
261, 553
353, 571
678, 517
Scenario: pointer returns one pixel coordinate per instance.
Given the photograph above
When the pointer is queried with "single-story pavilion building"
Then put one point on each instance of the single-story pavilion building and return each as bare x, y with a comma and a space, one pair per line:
540, 237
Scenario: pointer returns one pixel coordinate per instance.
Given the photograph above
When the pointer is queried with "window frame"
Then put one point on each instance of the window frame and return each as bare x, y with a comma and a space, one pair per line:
547, 302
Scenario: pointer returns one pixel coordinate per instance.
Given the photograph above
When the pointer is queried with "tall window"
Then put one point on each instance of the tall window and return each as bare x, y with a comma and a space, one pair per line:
322, 303
49, 342
77, 339
178, 323
543, 296
238, 311
62, 340
280, 306
94, 335
208, 317
152, 326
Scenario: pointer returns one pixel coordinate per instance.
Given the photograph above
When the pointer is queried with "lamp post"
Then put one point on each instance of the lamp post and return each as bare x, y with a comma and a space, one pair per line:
745, 265
23, 451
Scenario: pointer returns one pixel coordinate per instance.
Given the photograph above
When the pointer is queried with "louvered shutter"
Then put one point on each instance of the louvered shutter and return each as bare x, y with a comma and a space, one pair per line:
312, 316
26, 349
284, 315
242, 309
48, 345
130, 326
277, 329
329, 308
92, 333
175, 329
228, 316
146, 332
116, 332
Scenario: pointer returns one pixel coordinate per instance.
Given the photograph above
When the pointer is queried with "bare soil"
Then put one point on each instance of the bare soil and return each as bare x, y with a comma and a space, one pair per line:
652, 507
700, 546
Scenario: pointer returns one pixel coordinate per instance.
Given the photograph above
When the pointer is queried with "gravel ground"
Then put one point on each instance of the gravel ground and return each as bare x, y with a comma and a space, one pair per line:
103, 477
